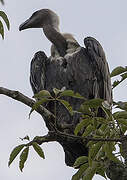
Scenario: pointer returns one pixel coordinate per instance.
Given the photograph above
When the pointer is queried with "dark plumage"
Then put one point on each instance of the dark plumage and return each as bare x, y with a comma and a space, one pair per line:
98, 59
83, 70
37, 72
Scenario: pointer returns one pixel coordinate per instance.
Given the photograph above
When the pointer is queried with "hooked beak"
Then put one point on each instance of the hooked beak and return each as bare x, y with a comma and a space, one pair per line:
32, 22
25, 25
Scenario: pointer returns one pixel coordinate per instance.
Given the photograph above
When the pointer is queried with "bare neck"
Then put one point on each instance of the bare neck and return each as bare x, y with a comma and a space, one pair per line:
56, 38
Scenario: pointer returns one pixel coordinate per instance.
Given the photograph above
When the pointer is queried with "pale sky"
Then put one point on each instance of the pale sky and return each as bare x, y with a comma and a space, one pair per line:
104, 20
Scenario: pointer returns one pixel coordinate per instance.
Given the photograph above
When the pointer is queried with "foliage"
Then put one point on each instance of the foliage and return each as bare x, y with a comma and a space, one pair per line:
102, 133
112, 127
38, 149
25, 151
14, 153
44, 96
5, 19
23, 158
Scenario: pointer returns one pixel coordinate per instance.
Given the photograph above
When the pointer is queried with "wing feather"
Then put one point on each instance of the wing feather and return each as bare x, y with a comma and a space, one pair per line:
100, 65
37, 72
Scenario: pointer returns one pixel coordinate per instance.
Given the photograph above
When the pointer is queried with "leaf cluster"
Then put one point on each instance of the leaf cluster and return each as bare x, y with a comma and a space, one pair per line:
112, 127
101, 132
96, 128
23, 150
5, 19
45, 96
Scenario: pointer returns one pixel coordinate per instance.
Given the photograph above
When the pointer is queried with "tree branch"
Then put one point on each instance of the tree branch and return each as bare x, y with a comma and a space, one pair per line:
61, 137
56, 136
103, 139
52, 135
16, 95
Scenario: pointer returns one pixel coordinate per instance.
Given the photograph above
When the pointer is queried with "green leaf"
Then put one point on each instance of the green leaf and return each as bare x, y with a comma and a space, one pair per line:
71, 94
101, 171
108, 147
103, 127
101, 120
81, 125
37, 104
94, 150
42, 94
67, 106
90, 172
122, 121
88, 130
107, 112
120, 114
115, 83
95, 123
100, 156
80, 161
121, 105
85, 109
15, 152
5, 18
90, 143
23, 158
118, 70
39, 150
124, 76
57, 91
94, 103
1, 30
123, 128
80, 172
112, 157
107, 131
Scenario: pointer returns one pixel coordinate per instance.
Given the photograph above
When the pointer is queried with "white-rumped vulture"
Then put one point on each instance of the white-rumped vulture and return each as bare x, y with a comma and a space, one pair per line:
83, 70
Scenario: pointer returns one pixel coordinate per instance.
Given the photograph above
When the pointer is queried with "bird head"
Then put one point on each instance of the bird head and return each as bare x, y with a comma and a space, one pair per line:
41, 18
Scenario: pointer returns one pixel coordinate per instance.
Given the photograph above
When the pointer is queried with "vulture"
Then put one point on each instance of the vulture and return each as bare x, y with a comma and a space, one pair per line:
81, 69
